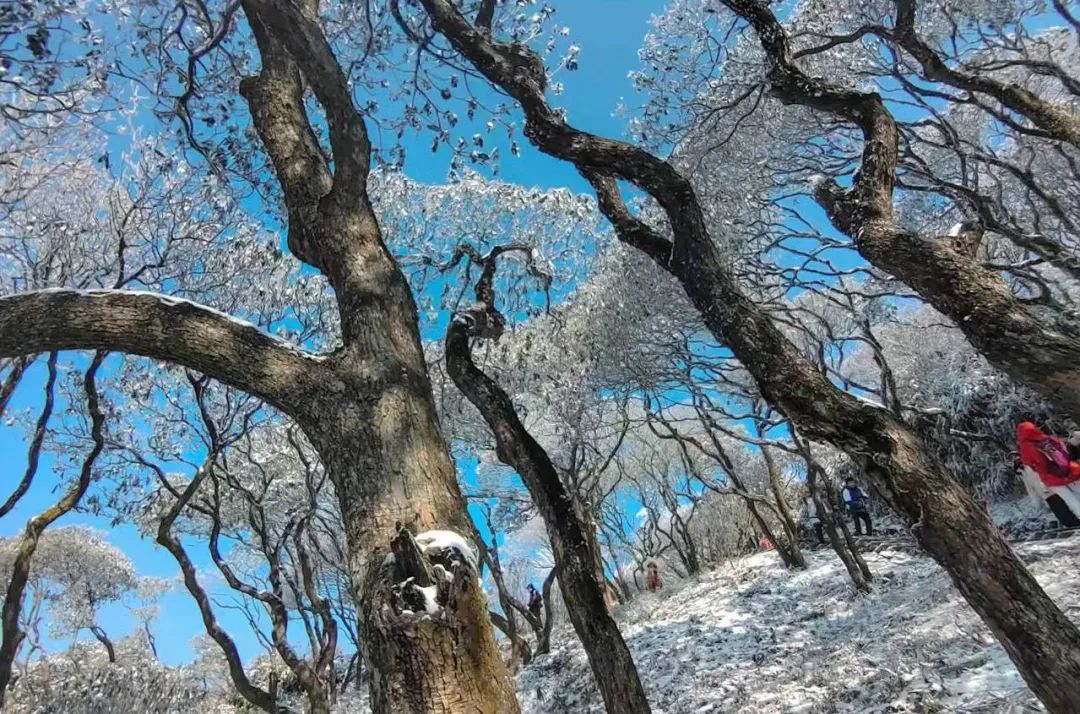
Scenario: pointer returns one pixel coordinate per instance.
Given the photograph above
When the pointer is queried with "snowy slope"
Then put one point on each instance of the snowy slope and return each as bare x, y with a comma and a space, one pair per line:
750, 637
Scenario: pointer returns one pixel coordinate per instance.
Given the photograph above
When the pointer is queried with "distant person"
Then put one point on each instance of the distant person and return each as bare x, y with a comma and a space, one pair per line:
536, 602
1048, 457
1073, 444
652, 577
766, 544
812, 519
858, 505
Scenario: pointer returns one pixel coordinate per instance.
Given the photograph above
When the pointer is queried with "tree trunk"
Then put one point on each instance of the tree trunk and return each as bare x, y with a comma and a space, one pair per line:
372, 417
589, 522
860, 577
776, 485
103, 638
830, 500
520, 652
543, 643
787, 548
445, 663
574, 549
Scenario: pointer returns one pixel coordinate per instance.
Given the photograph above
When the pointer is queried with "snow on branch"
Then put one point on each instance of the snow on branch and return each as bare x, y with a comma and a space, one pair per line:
160, 327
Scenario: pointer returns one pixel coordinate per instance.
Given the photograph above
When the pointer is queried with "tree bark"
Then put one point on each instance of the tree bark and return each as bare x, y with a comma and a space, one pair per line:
372, 418
1042, 642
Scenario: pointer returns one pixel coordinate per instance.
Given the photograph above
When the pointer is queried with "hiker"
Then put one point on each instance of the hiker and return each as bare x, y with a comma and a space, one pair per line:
652, 577
766, 544
536, 601
1048, 458
812, 519
857, 505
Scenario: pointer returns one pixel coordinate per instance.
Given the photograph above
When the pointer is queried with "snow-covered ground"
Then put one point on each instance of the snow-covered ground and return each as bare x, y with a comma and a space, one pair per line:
751, 637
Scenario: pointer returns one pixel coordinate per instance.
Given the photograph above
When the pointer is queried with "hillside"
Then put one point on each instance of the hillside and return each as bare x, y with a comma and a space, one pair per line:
750, 637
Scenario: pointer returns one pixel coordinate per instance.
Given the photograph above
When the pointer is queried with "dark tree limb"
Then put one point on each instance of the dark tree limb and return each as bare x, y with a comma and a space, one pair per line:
576, 553
12, 634
33, 454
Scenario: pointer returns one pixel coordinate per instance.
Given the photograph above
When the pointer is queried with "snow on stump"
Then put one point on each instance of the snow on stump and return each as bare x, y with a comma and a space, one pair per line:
427, 575
426, 616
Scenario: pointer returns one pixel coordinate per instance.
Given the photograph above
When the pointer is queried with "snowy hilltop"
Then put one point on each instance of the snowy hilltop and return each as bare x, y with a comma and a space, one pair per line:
751, 637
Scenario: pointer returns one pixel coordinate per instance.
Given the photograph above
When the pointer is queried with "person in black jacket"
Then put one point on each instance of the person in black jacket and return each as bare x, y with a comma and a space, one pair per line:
858, 505
536, 601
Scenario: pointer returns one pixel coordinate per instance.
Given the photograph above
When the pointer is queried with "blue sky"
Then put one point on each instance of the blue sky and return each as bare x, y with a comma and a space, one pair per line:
609, 33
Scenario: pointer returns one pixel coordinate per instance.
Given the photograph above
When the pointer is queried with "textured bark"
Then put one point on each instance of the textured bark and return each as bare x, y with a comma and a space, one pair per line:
1040, 639
155, 326
574, 547
1032, 349
372, 418
444, 663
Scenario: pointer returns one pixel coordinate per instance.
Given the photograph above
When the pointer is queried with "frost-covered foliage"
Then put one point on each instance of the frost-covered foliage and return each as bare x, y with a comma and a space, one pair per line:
83, 681
704, 91
74, 573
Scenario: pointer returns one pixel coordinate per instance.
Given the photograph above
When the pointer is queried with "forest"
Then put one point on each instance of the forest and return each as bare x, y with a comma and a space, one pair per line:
539, 356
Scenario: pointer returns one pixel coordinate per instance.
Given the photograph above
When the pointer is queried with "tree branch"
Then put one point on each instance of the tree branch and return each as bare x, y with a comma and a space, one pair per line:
159, 327
13, 635
1057, 121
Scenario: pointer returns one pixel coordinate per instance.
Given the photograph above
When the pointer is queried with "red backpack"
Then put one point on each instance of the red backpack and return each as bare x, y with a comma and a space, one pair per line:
1056, 454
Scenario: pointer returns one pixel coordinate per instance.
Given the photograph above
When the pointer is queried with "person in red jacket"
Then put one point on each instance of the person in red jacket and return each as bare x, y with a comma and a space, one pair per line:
652, 577
1048, 457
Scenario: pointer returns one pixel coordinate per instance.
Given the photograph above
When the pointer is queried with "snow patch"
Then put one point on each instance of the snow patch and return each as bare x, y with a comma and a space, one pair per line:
751, 636
447, 540
431, 601
956, 230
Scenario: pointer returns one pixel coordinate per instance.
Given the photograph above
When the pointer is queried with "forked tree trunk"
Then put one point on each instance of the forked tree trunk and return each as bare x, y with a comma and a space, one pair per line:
372, 416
